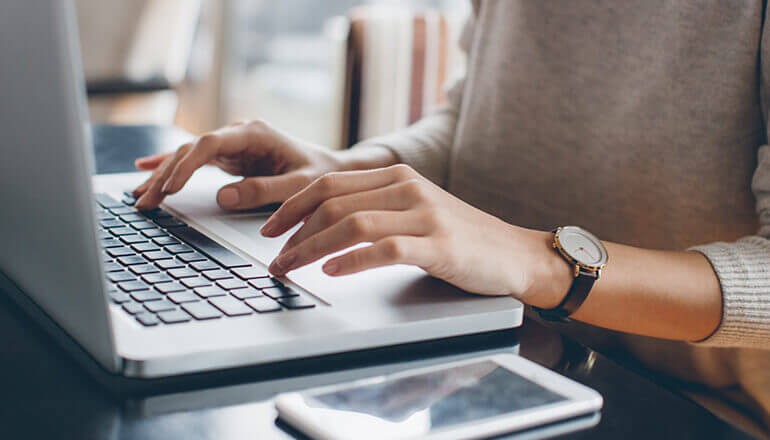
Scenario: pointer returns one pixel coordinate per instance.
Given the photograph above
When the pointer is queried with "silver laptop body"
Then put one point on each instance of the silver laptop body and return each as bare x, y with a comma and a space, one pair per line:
49, 247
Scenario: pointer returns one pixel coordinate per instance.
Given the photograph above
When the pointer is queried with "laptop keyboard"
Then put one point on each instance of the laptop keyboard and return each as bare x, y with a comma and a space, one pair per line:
162, 271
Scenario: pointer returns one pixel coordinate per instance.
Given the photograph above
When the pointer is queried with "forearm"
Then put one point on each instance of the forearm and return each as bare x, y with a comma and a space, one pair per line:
672, 295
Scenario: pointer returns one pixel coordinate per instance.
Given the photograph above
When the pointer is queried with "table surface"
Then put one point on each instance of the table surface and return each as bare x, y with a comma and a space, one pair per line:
46, 393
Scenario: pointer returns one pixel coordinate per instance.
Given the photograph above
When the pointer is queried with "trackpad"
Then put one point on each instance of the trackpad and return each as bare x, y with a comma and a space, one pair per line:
387, 285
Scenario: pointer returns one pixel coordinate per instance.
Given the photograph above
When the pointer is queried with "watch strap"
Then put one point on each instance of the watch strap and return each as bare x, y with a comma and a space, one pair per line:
577, 294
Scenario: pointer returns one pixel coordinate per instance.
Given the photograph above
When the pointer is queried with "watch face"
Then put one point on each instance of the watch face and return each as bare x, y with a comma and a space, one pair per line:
582, 246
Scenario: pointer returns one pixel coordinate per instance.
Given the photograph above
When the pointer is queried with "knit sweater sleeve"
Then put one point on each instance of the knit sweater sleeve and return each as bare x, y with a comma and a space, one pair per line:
743, 267
426, 144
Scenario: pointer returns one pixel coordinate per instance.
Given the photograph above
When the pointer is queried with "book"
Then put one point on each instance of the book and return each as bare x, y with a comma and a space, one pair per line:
398, 64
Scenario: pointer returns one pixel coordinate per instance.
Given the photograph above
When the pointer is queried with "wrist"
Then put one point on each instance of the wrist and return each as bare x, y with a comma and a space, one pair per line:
365, 157
550, 277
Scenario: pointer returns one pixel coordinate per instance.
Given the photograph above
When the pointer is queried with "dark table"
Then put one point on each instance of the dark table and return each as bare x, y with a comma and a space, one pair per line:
46, 394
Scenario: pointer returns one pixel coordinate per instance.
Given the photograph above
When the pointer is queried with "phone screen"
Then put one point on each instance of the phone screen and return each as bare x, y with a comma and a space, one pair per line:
443, 398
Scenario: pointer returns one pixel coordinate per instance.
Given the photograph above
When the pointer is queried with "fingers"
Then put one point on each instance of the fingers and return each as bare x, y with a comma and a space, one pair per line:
150, 194
227, 140
389, 198
360, 227
329, 186
254, 192
176, 170
149, 163
388, 251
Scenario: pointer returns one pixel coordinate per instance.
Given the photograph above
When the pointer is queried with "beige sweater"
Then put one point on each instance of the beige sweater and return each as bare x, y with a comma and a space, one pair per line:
642, 121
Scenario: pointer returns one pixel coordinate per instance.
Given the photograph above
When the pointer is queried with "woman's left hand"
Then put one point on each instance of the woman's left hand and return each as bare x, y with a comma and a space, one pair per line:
408, 220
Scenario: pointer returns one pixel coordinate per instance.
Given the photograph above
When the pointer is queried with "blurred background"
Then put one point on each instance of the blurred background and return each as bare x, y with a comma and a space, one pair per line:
332, 71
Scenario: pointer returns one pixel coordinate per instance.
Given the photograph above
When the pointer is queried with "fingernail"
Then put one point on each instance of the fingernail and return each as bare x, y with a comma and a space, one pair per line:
331, 267
268, 228
285, 261
282, 264
229, 197
168, 187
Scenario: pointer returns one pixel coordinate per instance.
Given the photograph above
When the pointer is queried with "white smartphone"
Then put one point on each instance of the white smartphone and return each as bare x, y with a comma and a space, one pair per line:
474, 398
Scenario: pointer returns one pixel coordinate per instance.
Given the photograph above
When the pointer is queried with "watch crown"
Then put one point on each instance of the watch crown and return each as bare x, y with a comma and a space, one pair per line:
553, 245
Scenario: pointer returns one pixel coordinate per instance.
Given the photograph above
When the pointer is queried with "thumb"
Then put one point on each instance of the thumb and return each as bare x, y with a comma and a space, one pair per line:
253, 192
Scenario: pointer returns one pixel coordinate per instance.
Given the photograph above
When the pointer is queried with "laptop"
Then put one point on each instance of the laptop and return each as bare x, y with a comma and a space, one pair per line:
184, 288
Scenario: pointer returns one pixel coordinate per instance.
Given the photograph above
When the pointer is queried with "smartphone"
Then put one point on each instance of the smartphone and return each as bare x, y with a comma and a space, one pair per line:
473, 398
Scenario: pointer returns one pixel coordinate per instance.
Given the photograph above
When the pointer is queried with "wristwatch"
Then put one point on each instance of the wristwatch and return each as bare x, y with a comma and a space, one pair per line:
586, 253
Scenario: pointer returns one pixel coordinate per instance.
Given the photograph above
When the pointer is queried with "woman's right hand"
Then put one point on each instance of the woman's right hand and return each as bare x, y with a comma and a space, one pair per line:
274, 166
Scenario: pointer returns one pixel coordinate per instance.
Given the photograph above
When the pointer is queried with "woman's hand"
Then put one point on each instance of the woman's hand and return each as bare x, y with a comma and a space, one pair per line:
275, 166
408, 220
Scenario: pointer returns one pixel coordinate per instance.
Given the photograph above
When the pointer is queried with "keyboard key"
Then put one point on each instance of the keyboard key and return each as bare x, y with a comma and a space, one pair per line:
108, 224
183, 297
170, 287
153, 233
110, 242
102, 234
265, 283
157, 255
142, 269
160, 306
174, 316
279, 292
112, 267
145, 247
165, 240
122, 231
106, 201
169, 222
296, 302
157, 278
249, 273
210, 291
139, 226
202, 310
119, 297
218, 253
119, 277
191, 257
146, 295
129, 200
169, 264
263, 305
131, 260
215, 275
120, 251
201, 266
132, 286
122, 210
156, 213
130, 218
246, 293
104, 215
231, 284
133, 239
133, 308
230, 306
193, 283
147, 319
182, 273
179, 248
